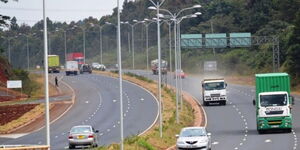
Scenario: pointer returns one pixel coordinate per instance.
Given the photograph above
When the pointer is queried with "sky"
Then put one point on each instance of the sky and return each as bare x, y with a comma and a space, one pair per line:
31, 11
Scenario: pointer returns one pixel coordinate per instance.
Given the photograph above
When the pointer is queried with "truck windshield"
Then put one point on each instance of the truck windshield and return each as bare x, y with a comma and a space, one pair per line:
214, 86
273, 100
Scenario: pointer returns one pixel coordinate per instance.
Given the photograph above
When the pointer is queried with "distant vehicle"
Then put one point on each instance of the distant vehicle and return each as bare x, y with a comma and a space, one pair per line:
83, 135
214, 90
78, 56
95, 66
102, 67
210, 66
193, 138
154, 66
273, 102
180, 74
85, 68
72, 68
53, 64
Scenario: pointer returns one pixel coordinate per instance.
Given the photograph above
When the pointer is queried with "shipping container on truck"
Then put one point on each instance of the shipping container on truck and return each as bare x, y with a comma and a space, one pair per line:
273, 102
53, 64
77, 56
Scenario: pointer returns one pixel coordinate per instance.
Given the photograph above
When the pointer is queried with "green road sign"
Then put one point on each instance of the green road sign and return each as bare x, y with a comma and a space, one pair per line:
217, 40
240, 39
191, 40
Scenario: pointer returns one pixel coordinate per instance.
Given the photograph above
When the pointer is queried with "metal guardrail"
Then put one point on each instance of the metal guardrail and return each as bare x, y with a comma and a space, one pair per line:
24, 147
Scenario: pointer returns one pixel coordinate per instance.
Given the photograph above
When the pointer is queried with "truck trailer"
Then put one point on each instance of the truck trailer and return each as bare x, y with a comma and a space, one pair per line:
273, 102
72, 68
53, 64
77, 56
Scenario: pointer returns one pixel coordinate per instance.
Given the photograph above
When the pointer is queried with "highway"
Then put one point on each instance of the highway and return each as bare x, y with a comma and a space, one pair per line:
97, 104
233, 126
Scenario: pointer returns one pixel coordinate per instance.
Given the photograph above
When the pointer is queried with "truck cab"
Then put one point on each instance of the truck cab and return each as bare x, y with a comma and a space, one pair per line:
214, 91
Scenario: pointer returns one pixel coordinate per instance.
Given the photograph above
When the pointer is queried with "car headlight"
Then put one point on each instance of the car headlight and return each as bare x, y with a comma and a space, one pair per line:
180, 142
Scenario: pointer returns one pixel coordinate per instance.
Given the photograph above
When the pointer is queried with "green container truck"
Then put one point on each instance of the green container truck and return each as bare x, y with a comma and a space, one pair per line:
53, 64
273, 102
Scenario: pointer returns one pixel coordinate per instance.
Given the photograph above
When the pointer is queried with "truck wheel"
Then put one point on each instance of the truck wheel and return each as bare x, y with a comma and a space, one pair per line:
288, 130
67, 74
261, 131
71, 146
224, 103
205, 103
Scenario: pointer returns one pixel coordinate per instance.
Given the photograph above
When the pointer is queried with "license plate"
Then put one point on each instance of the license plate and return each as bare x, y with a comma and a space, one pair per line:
190, 146
80, 136
275, 126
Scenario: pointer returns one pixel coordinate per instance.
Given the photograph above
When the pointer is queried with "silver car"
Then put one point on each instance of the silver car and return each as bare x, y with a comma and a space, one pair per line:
83, 135
193, 138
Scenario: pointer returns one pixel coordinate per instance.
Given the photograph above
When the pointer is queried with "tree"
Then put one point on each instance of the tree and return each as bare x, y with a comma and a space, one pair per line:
292, 63
3, 18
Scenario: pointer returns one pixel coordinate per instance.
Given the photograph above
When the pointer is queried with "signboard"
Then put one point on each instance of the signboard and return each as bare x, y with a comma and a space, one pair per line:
217, 40
210, 66
240, 39
14, 84
194, 40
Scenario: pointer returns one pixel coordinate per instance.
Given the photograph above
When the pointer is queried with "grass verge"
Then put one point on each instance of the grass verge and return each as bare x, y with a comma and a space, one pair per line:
151, 140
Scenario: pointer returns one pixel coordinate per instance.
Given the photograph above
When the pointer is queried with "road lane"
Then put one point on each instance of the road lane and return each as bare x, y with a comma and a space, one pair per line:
234, 126
97, 104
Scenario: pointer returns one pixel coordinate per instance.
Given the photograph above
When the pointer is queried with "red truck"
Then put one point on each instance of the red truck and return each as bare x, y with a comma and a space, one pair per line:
77, 56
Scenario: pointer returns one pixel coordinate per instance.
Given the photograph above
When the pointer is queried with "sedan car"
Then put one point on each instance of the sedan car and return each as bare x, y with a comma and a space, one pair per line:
83, 135
180, 74
193, 138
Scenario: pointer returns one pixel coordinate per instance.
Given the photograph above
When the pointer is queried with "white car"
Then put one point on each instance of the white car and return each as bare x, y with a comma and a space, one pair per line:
193, 138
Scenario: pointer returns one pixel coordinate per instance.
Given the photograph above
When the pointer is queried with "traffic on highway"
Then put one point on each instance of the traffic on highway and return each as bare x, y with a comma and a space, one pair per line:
149, 75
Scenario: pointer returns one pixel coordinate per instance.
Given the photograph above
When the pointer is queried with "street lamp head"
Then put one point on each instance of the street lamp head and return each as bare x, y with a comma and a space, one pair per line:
198, 13
152, 8
197, 6
193, 16
107, 23
146, 19
135, 20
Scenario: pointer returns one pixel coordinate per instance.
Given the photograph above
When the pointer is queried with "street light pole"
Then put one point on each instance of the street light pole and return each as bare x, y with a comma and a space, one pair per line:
27, 47
101, 50
120, 76
65, 37
46, 77
9, 60
132, 35
83, 45
157, 7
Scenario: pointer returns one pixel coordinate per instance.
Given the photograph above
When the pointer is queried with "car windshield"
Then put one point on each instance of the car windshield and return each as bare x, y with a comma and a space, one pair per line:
214, 86
273, 100
81, 130
192, 132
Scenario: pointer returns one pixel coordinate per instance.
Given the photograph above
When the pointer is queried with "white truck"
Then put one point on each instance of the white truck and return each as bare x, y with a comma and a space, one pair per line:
154, 66
214, 91
72, 68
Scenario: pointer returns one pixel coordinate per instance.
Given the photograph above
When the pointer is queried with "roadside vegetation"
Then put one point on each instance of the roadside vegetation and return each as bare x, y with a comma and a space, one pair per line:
151, 140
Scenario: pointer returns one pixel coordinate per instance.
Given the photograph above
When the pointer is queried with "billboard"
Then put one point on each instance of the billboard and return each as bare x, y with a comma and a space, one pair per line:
14, 84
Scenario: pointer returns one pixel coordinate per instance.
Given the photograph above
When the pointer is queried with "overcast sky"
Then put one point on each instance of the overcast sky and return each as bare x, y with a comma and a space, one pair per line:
31, 11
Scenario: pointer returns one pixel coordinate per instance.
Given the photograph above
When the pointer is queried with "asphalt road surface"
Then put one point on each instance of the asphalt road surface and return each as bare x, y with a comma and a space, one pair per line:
233, 126
97, 104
